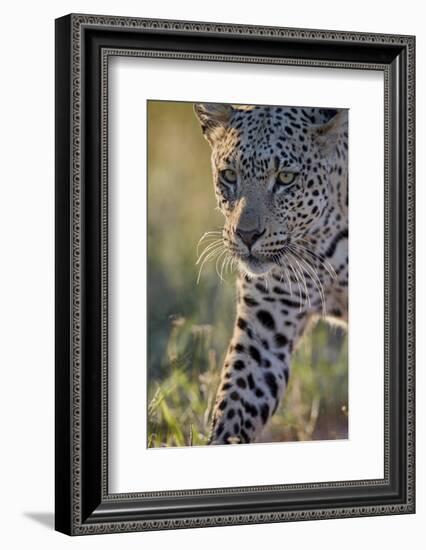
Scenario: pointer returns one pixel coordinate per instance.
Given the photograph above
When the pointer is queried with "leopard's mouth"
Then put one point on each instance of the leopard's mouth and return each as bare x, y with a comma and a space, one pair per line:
256, 265
261, 264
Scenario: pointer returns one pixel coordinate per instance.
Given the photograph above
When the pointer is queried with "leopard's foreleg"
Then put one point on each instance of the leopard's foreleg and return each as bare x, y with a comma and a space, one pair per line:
257, 366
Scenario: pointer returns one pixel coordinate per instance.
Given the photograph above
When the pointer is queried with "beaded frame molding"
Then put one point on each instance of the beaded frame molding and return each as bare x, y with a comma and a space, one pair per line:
84, 44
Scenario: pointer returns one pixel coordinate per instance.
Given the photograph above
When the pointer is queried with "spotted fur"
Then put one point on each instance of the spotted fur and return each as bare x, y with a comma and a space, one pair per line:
280, 177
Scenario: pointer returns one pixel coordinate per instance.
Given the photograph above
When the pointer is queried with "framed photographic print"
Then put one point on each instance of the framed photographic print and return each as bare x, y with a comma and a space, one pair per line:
234, 274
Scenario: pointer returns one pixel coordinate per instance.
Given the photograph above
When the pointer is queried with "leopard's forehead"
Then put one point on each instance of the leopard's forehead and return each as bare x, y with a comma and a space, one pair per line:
269, 119
262, 138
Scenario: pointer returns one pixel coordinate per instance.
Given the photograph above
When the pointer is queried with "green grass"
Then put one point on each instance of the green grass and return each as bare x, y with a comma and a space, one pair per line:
180, 403
189, 325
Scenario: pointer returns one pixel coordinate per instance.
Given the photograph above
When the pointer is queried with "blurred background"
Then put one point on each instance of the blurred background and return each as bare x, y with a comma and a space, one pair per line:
190, 324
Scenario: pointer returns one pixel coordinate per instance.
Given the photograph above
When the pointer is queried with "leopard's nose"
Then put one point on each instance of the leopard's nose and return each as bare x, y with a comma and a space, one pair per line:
249, 237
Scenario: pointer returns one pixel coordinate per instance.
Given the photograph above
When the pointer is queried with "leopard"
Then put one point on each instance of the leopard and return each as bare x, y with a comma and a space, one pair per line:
280, 178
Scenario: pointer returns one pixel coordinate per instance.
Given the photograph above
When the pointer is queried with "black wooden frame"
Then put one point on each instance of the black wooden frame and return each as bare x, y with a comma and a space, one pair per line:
83, 46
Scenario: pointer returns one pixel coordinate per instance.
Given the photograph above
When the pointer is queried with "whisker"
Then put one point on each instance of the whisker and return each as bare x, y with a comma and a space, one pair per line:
211, 240
324, 263
209, 245
214, 232
288, 280
277, 259
288, 277
315, 279
243, 271
318, 284
209, 248
230, 264
320, 259
207, 241
207, 258
224, 251
234, 264
297, 280
266, 281
207, 236
301, 271
224, 262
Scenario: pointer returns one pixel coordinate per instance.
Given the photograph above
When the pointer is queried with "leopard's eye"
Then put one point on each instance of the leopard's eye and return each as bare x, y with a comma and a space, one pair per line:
229, 176
286, 178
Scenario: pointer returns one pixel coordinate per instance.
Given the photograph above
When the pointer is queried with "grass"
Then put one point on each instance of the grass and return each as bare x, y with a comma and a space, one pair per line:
315, 404
189, 325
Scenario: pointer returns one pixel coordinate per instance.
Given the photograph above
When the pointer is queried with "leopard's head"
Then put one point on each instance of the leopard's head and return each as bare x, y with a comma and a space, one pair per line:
271, 169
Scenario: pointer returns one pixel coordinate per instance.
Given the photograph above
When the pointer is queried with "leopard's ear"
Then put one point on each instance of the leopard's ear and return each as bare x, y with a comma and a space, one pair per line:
213, 117
327, 135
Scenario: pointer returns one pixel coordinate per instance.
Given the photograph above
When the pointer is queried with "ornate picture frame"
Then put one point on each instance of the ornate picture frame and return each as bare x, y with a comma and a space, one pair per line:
84, 45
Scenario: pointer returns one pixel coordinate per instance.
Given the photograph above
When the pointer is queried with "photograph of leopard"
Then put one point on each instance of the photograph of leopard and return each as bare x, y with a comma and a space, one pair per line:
248, 278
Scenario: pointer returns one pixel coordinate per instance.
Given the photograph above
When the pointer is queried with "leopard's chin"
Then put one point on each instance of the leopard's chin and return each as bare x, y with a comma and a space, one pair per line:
256, 267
